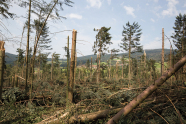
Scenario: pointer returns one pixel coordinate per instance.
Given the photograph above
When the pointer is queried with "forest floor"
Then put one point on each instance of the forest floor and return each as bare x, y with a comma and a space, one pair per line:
48, 103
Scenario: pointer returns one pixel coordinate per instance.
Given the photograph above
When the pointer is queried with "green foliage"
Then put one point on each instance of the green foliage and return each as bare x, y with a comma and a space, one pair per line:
131, 37
102, 40
179, 36
20, 58
5, 4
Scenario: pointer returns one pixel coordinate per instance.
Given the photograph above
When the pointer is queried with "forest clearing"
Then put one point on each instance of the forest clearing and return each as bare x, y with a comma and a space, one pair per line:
124, 85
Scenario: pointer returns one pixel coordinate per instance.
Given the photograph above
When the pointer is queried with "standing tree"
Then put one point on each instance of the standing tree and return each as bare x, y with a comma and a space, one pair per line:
130, 42
101, 44
88, 63
179, 36
20, 58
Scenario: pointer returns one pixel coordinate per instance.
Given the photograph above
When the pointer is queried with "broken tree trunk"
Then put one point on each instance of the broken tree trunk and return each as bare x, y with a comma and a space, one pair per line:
71, 83
141, 97
93, 116
2, 57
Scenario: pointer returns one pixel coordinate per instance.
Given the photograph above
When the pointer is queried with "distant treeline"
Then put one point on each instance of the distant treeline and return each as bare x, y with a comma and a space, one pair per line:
154, 54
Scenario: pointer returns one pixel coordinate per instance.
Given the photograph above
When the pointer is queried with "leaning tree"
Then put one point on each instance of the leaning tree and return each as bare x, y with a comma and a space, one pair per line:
103, 39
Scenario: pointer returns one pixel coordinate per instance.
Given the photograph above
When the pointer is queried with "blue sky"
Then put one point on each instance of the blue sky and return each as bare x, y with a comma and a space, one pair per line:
85, 15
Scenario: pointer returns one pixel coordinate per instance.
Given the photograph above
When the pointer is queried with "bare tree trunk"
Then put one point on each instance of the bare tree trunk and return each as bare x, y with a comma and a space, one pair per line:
97, 75
52, 67
91, 71
141, 97
27, 49
110, 66
170, 63
2, 57
129, 58
99, 66
67, 103
75, 67
71, 85
162, 53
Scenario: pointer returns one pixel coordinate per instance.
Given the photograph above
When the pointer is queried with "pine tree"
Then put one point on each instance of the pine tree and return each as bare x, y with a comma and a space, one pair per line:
130, 42
179, 36
20, 58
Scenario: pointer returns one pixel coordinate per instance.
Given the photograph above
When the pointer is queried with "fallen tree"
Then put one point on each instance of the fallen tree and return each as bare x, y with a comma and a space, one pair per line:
141, 97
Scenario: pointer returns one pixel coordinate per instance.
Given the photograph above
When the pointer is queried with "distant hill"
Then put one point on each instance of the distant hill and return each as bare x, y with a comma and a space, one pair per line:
10, 58
154, 54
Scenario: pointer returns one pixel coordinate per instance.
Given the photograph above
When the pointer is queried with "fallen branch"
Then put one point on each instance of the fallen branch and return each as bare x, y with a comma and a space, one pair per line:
141, 97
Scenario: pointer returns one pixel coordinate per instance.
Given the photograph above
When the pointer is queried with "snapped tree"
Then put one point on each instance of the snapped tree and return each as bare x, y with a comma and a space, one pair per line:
103, 39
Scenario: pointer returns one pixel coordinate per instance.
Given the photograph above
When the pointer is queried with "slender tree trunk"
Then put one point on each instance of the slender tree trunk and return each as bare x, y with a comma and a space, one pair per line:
67, 103
71, 85
75, 67
110, 66
16, 81
52, 68
91, 71
38, 37
27, 49
116, 69
2, 57
170, 62
99, 66
97, 75
129, 59
162, 53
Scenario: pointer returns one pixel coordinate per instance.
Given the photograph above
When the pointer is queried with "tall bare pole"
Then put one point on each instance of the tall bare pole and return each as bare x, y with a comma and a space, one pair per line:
75, 67
27, 48
129, 59
2, 57
67, 103
97, 70
162, 53
91, 70
71, 84
52, 67
170, 64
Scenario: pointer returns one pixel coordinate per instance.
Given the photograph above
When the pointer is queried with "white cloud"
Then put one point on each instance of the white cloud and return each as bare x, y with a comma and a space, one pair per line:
147, 4
94, 3
76, 16
152, 20
114, 19
109, 2
155, 1
154, 44
130, 11
171, 8
184, 5
143, 20
156, 9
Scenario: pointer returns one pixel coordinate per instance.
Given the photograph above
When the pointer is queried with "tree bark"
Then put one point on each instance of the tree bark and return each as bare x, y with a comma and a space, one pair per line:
162, 53
2, 57
67, 101
71, 85
27, 48
141, 97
